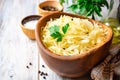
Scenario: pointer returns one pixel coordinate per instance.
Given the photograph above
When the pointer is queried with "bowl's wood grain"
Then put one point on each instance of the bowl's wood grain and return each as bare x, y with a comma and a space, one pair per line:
77, 65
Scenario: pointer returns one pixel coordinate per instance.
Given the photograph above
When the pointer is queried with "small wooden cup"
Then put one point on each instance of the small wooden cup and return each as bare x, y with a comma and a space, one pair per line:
51, 3
30, 33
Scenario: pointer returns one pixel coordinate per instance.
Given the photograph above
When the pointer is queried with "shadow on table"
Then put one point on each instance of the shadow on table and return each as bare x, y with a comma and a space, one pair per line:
116, 77
85, 77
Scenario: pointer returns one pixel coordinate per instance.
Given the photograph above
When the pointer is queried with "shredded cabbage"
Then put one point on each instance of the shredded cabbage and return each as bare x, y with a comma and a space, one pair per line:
81, 36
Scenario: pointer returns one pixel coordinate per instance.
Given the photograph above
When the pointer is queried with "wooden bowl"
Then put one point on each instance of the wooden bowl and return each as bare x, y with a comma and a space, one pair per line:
76, 65
51, 3
30, 33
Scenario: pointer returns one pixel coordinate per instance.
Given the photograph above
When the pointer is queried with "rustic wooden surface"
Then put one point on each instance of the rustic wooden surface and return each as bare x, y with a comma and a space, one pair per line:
16, 50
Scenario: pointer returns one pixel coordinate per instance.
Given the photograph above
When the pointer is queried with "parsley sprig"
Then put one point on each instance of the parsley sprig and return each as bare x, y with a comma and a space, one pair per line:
55, 31
89, 7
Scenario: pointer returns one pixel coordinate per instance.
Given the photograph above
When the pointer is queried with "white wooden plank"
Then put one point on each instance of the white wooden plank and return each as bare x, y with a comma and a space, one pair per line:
16, 50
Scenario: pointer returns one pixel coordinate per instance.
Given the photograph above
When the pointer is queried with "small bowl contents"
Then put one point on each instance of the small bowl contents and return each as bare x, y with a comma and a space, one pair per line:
31, 24
28, 25
48, 7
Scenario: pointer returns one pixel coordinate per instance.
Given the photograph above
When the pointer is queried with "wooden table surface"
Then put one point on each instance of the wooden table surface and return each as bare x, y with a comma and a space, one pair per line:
19, 56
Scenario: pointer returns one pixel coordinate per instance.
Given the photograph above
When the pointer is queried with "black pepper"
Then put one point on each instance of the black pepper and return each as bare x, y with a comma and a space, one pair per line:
50, 8
43, 66
11, 76
44, 77
27, 67
30, 63
42, 73
39, 71
46, 74
64, 48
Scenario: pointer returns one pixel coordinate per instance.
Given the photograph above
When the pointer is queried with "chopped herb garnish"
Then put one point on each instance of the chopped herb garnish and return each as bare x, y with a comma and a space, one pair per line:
56, 35
55, 31
65, 28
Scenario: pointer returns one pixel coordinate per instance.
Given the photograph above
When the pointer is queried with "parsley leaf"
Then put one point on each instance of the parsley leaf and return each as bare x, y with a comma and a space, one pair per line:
59, 38
62, 1
55, 31
57, 35
65, 28
89, 7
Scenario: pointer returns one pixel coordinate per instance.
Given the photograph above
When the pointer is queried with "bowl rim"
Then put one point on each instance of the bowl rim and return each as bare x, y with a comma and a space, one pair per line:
69, 58
50, 1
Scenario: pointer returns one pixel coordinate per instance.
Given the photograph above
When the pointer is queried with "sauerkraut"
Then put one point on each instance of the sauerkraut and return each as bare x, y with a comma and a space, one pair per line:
81, 36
